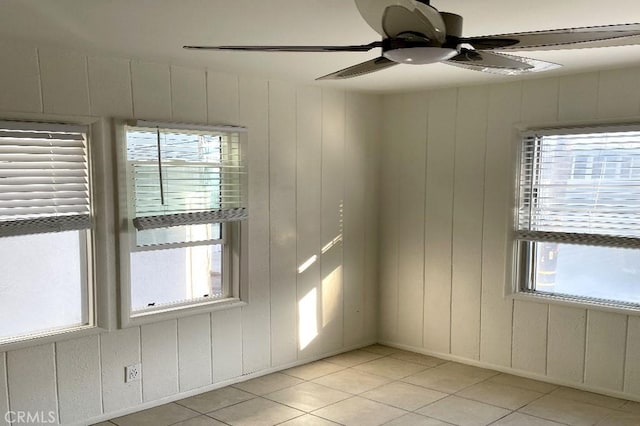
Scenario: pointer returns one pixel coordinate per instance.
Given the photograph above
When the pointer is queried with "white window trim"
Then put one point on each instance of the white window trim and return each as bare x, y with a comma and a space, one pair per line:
512, 288
102, 243
236, 259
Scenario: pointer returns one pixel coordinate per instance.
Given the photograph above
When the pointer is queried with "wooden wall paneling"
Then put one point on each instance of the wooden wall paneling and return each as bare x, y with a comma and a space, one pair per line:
282, 212
497, 311
441, 141
256, 334
471, 130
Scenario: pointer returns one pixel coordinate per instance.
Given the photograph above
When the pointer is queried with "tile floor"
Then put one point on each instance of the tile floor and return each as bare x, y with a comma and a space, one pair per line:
380, 385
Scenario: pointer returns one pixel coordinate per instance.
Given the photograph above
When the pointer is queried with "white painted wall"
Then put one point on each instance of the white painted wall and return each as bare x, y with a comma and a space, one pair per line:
445, 211
313, 180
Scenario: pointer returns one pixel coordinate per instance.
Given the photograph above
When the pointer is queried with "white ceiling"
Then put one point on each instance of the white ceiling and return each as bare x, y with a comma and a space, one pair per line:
155, 30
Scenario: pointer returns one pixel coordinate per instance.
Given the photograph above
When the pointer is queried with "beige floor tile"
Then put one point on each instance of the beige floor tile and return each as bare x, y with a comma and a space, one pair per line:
349, 359
449, 378
200, 421
267, 384
359, 412
256, 412
390, 367
501, 395
588, 397
308, 420
521, 382
631, 407
621, 419
566, 411
404, 395
308, 396
216, 399
380, 349
313, 370
427, 360
413, 419
352, 381
519, 419
162, 415
463, 412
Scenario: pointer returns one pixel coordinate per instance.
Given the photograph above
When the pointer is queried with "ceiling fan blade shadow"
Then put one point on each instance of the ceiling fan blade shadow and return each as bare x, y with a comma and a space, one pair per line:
373, 65
499, 63
353, 48
551, 38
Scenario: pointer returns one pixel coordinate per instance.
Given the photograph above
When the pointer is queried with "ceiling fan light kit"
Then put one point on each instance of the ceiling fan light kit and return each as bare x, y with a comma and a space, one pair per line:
414, 32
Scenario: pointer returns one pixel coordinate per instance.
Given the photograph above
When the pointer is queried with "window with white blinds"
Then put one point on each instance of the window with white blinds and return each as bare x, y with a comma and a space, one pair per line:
185, 176
581, 187
44, 178
578, 215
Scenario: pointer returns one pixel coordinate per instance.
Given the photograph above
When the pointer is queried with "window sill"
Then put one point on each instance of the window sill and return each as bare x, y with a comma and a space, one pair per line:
173, 312
50, 337
573, 303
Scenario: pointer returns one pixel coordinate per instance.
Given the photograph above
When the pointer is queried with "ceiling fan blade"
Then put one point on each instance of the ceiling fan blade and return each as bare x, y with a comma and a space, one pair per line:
561, 37
373, 65
354, 48
499, 63
420, 18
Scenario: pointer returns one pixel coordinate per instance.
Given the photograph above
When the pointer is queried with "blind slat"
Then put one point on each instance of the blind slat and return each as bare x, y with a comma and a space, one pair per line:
203, 174
580, 184
44, 185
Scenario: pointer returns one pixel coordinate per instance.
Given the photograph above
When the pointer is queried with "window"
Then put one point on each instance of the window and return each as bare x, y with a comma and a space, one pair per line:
578, 217
186, 199
45, 230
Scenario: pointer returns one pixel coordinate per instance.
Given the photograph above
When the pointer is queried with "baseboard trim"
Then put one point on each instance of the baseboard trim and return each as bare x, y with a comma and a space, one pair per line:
514, 371
178, 396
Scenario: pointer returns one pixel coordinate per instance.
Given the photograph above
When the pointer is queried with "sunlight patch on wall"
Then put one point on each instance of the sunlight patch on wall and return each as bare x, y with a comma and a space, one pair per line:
331, 300
308, 318
307, 263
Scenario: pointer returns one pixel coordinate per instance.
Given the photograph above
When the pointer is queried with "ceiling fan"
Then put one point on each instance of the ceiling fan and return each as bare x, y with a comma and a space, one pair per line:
414, 32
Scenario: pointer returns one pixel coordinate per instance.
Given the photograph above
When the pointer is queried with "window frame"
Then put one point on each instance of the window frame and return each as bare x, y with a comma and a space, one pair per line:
234, 242
100, 243
523, 254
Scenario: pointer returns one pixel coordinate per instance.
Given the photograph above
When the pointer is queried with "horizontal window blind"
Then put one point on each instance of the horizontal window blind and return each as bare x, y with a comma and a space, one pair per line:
580, 188
185, 177
44, 178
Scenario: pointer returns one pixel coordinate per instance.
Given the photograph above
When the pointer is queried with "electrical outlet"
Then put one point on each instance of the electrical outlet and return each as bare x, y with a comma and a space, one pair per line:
132, 373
